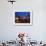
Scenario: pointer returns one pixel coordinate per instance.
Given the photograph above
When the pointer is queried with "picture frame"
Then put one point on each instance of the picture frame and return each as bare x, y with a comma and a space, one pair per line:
23, 18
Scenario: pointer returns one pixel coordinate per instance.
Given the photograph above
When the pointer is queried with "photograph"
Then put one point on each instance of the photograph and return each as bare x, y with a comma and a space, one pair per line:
23, 18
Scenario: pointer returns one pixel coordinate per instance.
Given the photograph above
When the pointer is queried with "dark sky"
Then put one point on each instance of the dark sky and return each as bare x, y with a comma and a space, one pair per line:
22, 13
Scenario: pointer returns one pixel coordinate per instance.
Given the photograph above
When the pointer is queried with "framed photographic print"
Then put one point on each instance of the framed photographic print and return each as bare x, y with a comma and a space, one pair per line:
23, 18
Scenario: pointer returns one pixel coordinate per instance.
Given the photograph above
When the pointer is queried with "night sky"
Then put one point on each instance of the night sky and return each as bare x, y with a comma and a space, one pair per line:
22, 13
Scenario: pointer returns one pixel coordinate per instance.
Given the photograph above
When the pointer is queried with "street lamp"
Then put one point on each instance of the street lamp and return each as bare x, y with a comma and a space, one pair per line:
12, 1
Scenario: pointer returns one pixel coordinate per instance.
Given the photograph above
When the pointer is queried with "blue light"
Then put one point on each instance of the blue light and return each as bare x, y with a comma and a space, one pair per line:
22, 13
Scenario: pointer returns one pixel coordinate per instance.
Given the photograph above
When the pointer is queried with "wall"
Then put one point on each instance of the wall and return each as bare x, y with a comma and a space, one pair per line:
9, 31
